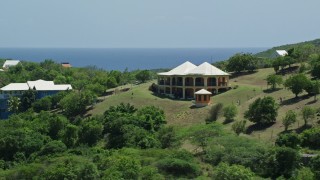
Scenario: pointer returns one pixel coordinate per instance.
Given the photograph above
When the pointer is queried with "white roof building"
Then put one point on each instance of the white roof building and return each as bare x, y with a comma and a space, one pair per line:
9, 63
279, 53
39, 85
282, 52
188, 68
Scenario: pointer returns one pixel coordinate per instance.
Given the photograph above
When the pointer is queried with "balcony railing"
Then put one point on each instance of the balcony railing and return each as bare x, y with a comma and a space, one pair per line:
212, 84
179, 83
199, 84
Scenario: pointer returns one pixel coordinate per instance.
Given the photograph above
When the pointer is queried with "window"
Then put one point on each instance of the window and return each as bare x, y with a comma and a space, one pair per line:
205, 97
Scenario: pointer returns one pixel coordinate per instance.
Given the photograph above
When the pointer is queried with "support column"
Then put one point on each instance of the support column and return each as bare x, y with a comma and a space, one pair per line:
194, 81
205, 82
183, 88
170, 85
217, 81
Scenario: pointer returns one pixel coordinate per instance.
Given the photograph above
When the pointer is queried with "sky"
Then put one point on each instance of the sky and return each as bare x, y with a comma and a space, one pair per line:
157, 23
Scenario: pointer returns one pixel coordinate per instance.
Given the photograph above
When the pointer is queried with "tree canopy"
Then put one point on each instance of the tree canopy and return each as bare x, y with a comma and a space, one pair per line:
262, 110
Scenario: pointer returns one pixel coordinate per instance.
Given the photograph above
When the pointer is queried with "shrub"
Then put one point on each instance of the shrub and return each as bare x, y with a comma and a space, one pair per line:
310, 138
229, 112
53, 147
178, 167
239, 127
232, 172
215, 112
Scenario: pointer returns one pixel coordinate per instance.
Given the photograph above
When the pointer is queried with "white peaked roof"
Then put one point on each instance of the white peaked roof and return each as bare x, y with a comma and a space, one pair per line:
188, 68
9, 63
39, 85
181, 69
207, 69
282, 52
202, 91
16, 87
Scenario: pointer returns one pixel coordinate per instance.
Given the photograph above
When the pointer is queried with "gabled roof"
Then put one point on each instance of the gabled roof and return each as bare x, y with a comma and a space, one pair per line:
40, 84
16, 87
202, 91
207, 69
188, 68
282, 52
181, 69
9, 63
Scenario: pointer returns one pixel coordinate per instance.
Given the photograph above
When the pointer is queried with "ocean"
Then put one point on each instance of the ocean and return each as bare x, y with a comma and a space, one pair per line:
121, 58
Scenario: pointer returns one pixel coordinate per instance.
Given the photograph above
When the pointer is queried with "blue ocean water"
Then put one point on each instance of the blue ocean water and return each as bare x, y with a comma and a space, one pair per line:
121, 58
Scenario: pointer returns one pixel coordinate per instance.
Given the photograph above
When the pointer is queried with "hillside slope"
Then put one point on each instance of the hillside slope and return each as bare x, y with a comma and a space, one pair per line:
268, 52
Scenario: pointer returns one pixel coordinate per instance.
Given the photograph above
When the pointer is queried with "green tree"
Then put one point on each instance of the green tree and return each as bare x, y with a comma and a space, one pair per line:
316, 89
310, 138
240, 62
289, 119
27, 98
315, 166
287, 160
143, 75
304, 173
43, 104
232, 172
308, 113
239, 126
291, 140
168, 137
274, 80
152, 118
262, 111
70, 135
13, 104
90, 131
297, 83
229, 112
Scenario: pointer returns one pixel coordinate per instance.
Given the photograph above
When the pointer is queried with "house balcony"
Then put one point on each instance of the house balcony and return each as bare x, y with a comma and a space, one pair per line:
199, 84
189, 84
179, 83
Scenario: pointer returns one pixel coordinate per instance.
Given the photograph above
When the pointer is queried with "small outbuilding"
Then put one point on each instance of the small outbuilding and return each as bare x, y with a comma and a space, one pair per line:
66, 65
202, 97
9, 63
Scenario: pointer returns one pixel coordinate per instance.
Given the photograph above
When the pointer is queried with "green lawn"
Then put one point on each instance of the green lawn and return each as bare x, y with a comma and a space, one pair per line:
179, 113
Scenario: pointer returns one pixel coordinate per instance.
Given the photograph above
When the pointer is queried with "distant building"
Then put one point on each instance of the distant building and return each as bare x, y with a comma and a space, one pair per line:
66, 65
9, 63
184, 80
42, 88
279, 53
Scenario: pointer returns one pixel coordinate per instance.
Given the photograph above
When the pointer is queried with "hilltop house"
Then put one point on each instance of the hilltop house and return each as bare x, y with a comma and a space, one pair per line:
279, 53
42, 88
66, 65
9, 63
184, 80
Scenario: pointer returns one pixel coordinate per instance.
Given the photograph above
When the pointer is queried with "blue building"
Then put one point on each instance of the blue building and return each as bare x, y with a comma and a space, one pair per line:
41, 87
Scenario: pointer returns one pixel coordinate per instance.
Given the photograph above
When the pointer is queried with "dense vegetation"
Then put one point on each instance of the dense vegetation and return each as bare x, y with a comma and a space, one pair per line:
51, 139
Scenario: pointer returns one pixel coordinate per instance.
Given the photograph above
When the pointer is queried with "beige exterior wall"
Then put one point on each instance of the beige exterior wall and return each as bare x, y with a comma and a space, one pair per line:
186, 86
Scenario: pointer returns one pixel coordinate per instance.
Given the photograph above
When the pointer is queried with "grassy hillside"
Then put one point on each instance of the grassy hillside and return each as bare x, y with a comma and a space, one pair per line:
268, 52
250, 87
